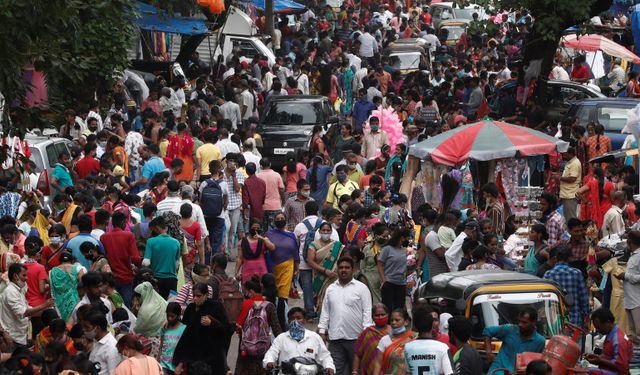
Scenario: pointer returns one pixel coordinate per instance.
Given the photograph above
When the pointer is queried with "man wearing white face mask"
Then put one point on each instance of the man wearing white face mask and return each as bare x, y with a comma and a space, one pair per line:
14, 310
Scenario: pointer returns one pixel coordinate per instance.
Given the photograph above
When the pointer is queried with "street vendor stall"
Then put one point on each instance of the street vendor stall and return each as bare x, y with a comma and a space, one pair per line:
485, 140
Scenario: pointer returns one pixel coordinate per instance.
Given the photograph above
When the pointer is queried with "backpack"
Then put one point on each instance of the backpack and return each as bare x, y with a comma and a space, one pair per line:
229, 294
310, 236
255, 333
211, 199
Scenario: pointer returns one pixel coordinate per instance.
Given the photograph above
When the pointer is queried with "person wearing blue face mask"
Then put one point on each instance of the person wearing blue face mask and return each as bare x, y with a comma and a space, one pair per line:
298, 342
339, 188
390, 358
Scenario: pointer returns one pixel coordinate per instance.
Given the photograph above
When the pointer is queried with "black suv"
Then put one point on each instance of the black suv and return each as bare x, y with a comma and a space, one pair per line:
287, 122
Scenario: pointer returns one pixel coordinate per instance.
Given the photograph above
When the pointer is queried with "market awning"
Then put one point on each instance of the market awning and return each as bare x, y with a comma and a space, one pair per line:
151, 18
282, 6
595, 42
486, 140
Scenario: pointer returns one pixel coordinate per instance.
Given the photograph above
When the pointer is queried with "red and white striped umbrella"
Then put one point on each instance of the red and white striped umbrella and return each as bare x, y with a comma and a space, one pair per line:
486, 140
595, 42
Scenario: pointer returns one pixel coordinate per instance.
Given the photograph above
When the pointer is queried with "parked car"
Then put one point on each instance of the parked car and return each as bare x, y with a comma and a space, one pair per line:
560, 94
287, 122
452, 11
44, 154
608, 112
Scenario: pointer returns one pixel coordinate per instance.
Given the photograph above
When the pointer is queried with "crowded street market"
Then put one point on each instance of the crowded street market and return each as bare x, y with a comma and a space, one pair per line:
355, 187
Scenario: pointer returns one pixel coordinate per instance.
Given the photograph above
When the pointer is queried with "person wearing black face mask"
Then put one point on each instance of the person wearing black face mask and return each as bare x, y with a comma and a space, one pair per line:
251, 254
98, 262
285, 257
375, 184
392, 267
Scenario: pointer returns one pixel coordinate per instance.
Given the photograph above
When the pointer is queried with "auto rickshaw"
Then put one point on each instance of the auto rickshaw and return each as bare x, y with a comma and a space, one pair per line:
495, 297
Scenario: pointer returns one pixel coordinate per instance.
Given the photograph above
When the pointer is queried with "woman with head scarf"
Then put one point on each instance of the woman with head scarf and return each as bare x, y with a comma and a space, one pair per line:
151, 315
204, 337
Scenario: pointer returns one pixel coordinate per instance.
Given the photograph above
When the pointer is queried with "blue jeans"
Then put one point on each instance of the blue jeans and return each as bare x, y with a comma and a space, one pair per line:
126, 291
306, 283
215, 226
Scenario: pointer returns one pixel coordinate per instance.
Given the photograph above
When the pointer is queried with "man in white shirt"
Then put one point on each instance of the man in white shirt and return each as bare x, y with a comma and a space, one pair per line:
368, 44
302, 79
432, 41
617, 77
309, 223
230, 110
631, 285
104, 349
14, 309
186, 193
225, 144
92, 282
247, 101
298, 342
559, 73
346, 311
249, 156
613, 222
173, 199
453, 255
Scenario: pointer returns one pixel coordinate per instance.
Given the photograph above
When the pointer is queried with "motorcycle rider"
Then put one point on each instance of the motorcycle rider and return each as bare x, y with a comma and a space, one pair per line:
298, 342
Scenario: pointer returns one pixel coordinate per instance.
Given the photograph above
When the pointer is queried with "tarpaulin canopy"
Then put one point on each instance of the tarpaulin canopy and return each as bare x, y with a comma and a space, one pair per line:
595, 42
486, 140
281, 6
151, 18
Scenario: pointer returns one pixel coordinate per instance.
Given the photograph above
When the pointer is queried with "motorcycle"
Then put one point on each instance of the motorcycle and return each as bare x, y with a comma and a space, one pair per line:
299, 366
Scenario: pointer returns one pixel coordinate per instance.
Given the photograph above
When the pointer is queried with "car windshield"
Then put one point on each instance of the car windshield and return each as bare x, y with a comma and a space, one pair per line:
613, 118
293, 113
453, 32
498, 309
466, 13
406, 61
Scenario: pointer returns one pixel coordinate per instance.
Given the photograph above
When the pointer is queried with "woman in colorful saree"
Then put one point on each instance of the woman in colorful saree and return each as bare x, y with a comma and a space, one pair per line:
322, 256
390, 357
366, 348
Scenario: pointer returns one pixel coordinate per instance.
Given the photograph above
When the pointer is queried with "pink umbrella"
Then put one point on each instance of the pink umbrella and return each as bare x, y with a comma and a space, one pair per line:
595, 42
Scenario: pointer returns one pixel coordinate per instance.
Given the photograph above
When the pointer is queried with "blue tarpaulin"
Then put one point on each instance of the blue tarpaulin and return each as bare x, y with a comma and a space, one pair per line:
281, 6
153, 19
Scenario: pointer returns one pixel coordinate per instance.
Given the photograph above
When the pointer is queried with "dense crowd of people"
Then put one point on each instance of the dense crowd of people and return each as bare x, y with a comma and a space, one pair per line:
166, 232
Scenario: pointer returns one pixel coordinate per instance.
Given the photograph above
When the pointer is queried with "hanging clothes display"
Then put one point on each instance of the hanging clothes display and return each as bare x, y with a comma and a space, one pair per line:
511, 171
432, 174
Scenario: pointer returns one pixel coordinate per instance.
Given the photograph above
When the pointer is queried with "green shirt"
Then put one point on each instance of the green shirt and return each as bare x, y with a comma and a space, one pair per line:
163, 251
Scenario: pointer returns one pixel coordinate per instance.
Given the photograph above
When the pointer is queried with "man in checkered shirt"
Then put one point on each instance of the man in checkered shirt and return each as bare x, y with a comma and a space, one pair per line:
571, 280
551, 218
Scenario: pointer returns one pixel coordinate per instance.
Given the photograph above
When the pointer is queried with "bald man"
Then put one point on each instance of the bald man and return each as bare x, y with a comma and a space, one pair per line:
613, 220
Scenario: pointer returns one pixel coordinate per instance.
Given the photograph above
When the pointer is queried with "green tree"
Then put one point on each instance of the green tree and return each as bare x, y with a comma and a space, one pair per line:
79, 45
551, 17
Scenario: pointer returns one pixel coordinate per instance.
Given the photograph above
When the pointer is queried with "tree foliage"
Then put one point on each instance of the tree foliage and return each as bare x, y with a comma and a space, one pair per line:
79, 46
